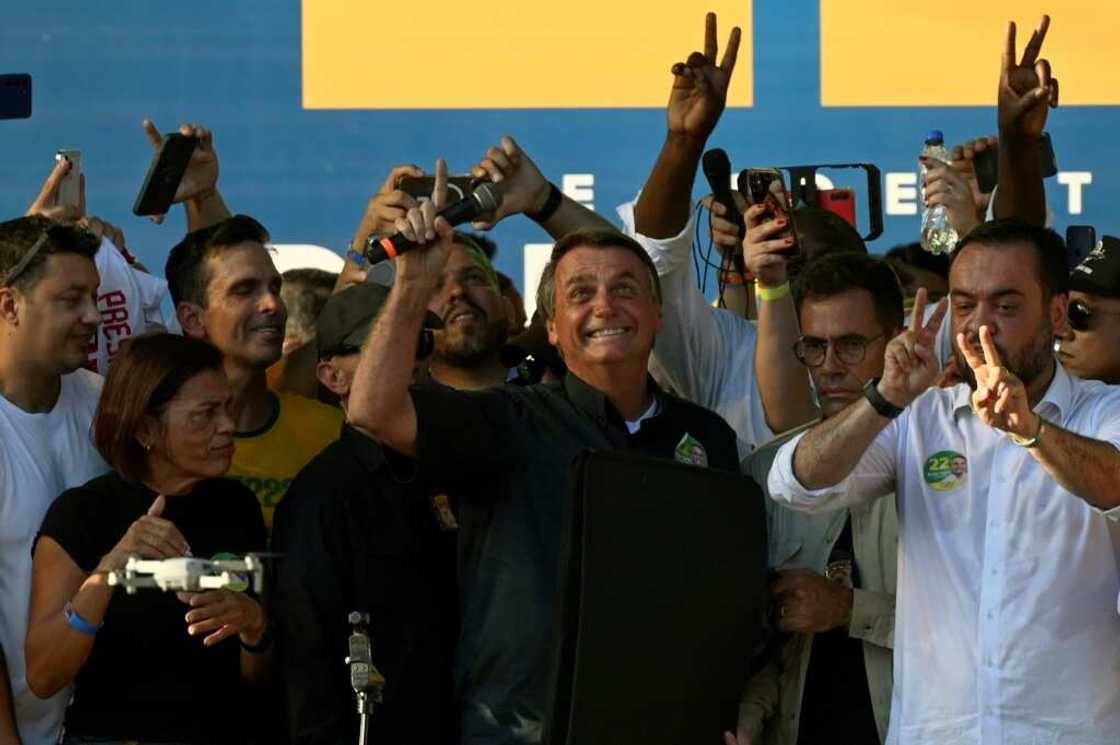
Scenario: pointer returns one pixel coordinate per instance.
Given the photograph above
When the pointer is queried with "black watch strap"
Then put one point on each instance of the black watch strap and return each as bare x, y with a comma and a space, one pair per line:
880, 404
555, 197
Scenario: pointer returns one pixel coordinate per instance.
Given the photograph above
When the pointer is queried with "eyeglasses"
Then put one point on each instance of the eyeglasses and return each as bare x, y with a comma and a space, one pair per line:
23, 263
850, 349
1081, 315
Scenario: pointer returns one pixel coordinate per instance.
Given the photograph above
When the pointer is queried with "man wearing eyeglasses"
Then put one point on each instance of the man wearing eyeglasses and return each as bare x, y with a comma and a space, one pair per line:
1008, 572
836, 572
1090, 346
48, 317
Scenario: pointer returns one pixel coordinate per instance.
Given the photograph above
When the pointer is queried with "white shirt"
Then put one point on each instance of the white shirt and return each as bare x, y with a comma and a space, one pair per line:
703, 354
1006, 630
41, 455
129, 301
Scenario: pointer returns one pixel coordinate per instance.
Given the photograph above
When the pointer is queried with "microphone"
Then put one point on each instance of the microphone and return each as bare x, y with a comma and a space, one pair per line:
717, 169
483, 200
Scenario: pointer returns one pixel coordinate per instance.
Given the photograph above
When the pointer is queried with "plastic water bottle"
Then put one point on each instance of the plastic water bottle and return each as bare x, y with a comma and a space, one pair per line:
938, 235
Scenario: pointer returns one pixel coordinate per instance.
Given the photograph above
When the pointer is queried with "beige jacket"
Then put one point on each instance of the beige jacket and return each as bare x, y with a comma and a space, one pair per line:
771, 703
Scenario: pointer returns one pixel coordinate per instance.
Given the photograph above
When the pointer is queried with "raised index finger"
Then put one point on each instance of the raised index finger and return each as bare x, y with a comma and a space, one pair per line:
916, 315
731, 53
991, 354
439, 189
154, 136
1009, 48
711, 44
1034, 46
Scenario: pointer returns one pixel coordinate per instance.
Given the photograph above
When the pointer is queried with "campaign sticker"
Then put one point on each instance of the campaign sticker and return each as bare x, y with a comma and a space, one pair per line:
946, 470
690, 451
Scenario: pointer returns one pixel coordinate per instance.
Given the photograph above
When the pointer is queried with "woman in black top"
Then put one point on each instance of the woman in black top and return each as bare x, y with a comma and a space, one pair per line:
153, 666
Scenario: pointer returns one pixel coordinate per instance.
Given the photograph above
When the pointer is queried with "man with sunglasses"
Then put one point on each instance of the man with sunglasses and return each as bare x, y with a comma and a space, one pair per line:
1090, 345
835, 584
48, 317
360, 529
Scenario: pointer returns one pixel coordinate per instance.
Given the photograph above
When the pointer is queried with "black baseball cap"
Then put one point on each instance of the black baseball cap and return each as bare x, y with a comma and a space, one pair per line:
344, 323
1099, 272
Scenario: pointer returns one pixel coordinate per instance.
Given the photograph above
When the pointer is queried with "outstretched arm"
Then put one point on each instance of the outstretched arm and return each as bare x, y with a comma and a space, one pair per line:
697, 100
379, 402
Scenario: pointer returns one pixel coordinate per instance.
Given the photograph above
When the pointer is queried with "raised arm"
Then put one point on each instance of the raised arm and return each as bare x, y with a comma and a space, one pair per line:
783, 382
379, 402
831, 450
1026, 93
697, 100
526, 191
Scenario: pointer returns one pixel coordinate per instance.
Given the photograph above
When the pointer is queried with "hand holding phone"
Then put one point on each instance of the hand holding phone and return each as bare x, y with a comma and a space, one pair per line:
47, 204
769, 211
69, 188
164, 175
770, 240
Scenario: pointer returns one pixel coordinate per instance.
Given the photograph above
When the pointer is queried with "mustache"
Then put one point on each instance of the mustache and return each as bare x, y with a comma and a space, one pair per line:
460, 305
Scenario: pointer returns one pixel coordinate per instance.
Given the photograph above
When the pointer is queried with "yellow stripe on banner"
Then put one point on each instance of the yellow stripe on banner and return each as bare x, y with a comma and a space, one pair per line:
449, 54
947, 53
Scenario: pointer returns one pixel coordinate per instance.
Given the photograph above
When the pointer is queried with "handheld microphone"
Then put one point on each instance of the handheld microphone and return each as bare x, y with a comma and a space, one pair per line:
717, 169
483, 200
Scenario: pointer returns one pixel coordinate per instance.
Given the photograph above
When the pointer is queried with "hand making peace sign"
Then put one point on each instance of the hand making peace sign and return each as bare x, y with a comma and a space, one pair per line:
1000, 398
910, 364
700, 86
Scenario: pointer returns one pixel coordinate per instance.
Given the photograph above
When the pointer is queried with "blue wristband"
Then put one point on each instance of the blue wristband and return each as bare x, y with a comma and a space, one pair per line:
78, 623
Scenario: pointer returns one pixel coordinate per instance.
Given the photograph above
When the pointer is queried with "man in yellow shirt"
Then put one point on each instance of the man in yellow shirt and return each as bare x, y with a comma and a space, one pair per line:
227, 291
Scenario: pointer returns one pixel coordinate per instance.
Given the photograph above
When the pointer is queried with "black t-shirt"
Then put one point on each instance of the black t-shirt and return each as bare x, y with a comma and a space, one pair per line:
507, 453
836, 704
358, 531
145, 677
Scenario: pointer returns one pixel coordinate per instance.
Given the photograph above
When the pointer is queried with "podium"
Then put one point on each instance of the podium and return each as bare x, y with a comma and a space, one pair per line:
663, 595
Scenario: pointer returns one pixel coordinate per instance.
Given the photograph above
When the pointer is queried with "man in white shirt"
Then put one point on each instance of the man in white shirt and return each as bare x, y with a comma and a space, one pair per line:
1006, 627
48, 315
712, 357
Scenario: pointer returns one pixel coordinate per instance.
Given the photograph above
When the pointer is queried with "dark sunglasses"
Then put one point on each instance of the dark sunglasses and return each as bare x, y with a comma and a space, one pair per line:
1081, 315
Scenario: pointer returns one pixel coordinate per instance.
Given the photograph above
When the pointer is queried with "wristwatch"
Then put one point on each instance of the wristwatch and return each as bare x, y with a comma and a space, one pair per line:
880, 404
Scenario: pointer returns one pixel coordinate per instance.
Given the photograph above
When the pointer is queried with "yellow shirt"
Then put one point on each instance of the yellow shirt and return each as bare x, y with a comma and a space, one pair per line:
266, 461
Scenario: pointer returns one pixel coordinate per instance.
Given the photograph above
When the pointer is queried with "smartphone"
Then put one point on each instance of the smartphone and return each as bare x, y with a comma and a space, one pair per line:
840, 201
420, 187
158, 192
986, 163
15, 96
70, 188
1080, 240
767, 186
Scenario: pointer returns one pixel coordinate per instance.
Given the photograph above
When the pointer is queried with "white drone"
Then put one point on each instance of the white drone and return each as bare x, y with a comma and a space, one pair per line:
189, 574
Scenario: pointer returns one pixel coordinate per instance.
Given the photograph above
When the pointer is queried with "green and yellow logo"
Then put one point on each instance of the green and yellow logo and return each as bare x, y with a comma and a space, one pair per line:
946, 470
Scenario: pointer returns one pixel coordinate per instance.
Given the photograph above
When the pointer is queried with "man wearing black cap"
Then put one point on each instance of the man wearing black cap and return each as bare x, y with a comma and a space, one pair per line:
1089, 346
359, 531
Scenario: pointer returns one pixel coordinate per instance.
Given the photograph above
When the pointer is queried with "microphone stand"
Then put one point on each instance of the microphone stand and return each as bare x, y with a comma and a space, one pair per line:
365, 679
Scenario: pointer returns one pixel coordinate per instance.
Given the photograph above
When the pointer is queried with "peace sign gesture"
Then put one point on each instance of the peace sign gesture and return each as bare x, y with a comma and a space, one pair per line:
910, 366
700, 86
1026, 89
1000, 398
